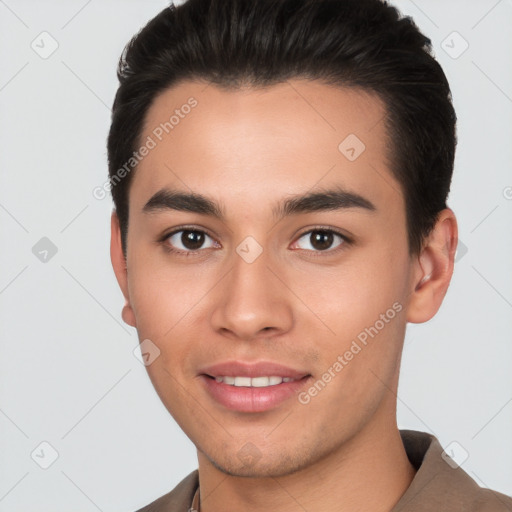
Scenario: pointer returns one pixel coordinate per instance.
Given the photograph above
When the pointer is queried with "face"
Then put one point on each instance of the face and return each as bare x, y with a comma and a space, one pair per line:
267, 260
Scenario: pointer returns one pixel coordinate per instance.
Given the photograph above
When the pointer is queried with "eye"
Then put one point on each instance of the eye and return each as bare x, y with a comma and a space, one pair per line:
189, 240
320, 240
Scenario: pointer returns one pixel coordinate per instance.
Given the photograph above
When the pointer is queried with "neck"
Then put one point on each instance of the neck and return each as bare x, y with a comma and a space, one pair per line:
371, 471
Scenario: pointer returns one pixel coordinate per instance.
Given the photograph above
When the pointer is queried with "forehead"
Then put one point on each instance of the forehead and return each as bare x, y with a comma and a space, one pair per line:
266, 142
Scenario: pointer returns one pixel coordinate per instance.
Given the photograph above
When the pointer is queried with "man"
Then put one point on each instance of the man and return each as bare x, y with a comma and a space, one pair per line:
280, 170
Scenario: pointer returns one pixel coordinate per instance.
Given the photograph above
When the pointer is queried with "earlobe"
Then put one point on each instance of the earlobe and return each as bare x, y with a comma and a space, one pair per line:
434, 268
128, 315
120, 268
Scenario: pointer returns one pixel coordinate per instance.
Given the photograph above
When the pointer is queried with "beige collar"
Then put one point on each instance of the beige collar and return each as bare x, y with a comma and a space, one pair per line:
195, 502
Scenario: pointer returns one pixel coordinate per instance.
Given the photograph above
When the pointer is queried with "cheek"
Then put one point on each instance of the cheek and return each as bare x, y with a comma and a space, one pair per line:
171, 311
363, 305
352, 296
162, 296
359, 364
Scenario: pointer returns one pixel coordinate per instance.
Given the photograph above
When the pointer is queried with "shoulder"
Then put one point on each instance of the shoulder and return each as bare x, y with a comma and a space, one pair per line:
488, 500
441, 484
179, 499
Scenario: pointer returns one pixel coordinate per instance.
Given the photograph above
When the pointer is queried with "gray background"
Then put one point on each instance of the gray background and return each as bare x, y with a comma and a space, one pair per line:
68, 375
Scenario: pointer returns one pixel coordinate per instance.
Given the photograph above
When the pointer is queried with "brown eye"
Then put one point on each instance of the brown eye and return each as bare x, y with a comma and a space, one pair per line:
189, 240
192, 239
320, 240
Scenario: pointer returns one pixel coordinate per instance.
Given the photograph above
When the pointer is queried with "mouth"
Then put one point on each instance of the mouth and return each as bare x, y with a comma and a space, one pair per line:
252, 387
253, 382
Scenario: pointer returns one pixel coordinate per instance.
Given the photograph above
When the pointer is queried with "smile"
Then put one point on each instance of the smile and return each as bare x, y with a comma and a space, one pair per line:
253, 382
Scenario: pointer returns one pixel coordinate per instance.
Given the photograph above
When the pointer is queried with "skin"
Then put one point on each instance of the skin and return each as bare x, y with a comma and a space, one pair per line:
296, 305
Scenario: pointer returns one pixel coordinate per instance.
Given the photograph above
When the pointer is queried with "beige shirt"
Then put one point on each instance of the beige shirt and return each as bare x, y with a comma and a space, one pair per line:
436, 487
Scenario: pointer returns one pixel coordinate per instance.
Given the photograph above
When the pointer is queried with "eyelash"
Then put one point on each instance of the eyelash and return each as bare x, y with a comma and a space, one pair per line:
163, 240
346, 241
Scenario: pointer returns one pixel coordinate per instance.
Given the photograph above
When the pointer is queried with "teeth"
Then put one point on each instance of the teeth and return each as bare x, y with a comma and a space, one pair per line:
260, 382
254, 382
242, 381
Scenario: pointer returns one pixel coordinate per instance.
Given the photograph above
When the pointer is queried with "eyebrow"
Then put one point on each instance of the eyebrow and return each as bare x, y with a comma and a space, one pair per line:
166, 199
324, 200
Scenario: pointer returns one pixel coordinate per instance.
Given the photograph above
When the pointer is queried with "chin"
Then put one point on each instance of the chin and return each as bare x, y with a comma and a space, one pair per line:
259, 466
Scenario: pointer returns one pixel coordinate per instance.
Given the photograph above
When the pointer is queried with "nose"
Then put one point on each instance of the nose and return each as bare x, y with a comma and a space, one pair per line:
252, 301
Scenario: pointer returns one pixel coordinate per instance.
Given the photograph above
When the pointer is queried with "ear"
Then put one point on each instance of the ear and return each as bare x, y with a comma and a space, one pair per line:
120, 267
433, 269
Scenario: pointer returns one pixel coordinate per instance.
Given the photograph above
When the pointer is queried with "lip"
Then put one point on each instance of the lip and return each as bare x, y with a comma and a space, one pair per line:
257, 369
251, 399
